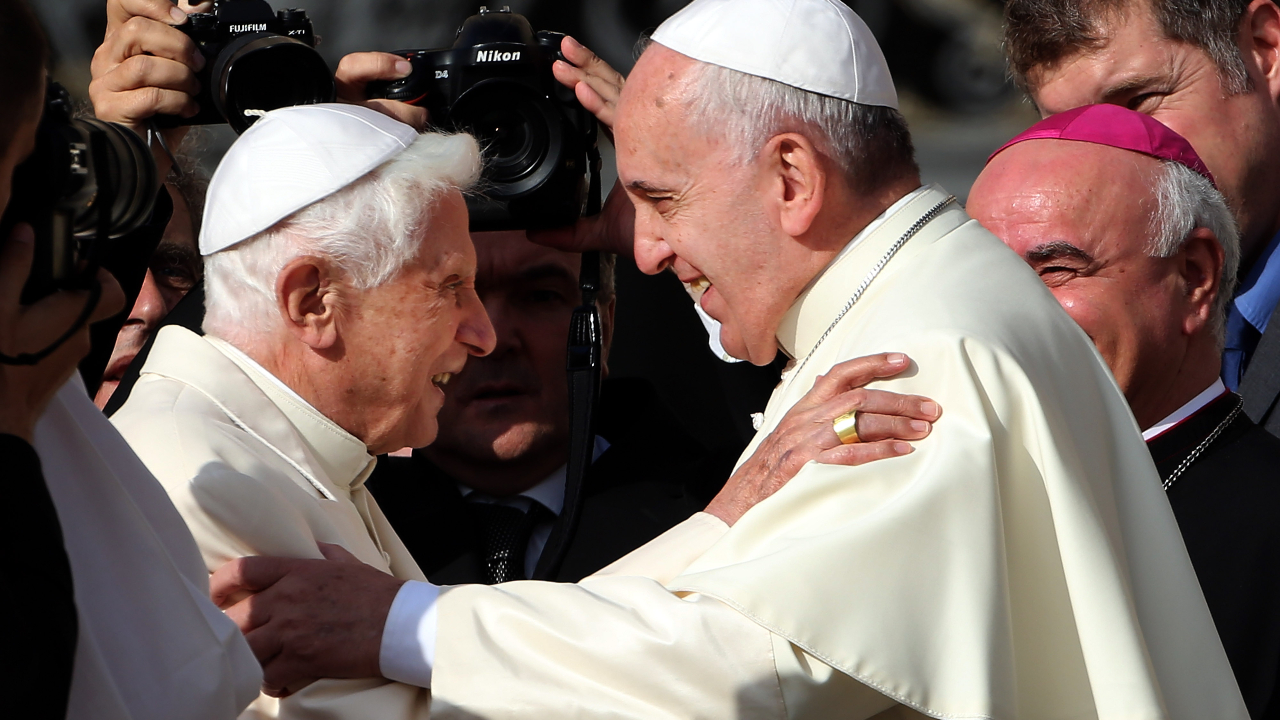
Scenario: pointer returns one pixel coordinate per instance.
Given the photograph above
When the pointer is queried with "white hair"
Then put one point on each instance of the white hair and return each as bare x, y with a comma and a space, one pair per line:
369, 230
1185, 201
870, 143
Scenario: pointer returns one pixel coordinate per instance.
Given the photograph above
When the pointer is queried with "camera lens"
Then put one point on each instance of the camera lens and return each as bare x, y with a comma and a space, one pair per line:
518, 130
87, 180
261, 72
124, 180
515, 140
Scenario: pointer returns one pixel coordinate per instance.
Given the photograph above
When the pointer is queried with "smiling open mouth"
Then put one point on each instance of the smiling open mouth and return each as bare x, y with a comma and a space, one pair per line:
442, 379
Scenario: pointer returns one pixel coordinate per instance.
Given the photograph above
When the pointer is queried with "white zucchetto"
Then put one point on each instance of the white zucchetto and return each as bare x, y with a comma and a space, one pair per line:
292, 158
817, 45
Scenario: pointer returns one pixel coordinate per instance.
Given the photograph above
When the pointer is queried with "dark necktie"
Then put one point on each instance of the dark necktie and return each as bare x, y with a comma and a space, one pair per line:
504, 537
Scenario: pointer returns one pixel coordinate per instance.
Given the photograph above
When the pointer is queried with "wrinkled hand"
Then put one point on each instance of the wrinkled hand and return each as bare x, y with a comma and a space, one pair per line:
146, 67
357, 70
26, 390
885, 420
307, 619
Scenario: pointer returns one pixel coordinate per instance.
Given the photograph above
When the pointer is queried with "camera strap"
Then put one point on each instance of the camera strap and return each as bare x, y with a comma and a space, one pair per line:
584, 366
95, 295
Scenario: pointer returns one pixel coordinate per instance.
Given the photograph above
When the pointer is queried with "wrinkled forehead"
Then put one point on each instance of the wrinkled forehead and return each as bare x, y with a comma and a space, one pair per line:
656, 96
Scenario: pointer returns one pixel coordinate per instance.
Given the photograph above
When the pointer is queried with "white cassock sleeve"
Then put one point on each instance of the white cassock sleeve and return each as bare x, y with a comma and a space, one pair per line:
616, 645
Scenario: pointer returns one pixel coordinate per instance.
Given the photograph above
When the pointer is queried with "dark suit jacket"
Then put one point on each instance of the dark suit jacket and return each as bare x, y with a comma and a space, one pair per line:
40, 637
1227, 504
652, 477
1260, 385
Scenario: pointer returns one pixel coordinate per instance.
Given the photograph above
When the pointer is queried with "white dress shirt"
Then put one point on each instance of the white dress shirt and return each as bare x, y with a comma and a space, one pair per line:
549, 494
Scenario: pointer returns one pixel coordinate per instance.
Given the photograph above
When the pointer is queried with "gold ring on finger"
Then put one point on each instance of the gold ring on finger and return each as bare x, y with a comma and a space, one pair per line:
846, 427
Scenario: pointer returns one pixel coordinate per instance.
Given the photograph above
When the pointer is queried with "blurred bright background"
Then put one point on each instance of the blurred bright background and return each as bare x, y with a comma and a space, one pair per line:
945, 55
946, 60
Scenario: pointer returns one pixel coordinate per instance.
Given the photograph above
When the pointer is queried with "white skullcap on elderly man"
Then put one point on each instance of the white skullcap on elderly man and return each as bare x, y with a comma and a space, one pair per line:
293, 158
822, 47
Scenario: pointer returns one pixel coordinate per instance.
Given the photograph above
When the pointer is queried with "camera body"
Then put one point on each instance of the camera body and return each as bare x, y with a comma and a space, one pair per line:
87, 182
256, 60
495, 82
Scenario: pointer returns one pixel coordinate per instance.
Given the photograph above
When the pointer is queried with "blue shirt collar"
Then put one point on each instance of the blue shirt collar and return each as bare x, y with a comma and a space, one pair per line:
1260, 292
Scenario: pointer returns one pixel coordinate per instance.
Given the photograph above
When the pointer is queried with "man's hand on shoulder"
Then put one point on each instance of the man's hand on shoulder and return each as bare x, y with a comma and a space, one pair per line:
308, 619
885, 421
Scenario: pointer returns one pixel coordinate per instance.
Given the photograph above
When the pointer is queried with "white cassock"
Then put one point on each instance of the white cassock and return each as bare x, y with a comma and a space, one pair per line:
255, 470
151, 645
1023, 562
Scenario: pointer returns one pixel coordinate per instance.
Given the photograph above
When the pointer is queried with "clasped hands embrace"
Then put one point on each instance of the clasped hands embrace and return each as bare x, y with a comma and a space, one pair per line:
147, 67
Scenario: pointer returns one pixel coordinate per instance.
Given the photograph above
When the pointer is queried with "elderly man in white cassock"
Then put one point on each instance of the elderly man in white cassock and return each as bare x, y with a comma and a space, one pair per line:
1022, 563
340, 296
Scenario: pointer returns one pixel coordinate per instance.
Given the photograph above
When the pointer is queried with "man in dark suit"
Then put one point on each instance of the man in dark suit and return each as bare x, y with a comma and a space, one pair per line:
1208, 69
479, 504
1142, 253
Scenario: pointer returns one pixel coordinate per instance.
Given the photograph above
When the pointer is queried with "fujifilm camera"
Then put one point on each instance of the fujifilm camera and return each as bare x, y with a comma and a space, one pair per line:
257, 60
86, 184
495, 82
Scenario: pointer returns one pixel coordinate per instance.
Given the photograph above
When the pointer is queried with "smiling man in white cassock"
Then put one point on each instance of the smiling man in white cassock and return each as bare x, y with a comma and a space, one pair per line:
1022, 563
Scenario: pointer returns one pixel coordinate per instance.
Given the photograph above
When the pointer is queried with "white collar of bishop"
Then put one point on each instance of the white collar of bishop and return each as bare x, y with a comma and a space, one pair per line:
827, 289
1193, 406
263, 405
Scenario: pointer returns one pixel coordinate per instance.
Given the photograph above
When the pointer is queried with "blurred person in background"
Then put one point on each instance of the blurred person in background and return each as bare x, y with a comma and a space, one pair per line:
175, 269
1141, 250
141, 639
41, 590
1210, 70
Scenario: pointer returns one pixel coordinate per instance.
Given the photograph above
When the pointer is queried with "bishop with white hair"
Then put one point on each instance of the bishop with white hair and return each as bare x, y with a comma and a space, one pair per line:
1022, 563
340, 295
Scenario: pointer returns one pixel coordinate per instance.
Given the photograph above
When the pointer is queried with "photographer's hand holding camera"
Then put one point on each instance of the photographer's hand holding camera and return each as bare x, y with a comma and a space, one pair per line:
145, 67
25, 390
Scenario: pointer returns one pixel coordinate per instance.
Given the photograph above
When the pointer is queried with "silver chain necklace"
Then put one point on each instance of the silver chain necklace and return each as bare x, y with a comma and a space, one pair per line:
1204, 445
916, 227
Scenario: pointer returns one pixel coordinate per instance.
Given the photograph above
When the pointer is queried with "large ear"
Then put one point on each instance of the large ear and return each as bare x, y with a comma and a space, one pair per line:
309, 301
1259, 42
1200, 264
796, 171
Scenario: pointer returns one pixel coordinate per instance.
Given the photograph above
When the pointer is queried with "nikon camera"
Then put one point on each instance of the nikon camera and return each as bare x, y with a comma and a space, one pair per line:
256, 60
496, 83
86, 184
